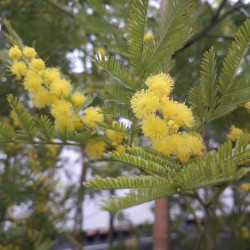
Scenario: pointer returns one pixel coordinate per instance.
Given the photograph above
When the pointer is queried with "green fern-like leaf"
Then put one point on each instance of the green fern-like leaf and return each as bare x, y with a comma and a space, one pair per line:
137, 29
24, 118
144, 164
45, 128
208, 79
217, 167
171, 35
166, 162
6, 133
116, 127
117, 70
122, 182
232, 61
118, 110
114, 93
136, 197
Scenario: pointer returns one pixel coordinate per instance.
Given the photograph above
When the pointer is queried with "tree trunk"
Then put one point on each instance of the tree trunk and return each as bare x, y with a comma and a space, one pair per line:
160, 233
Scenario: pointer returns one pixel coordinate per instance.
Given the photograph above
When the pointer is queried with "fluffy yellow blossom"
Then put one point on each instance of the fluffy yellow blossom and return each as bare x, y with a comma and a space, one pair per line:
29, 52
62, 122
115, 136
120, 148
78, 124
32, 81
144, 103
15, 53
60, 88
95, 148
247, 106
178, 112
101, 50
173, 127
182, 157
41, 98
19, 69
13, 116
61, 108
90, 91
162, 146
161, 85
154, 127
234, 133
78, 99
50, 75
91, 116
148, 36
37, 64
245, 186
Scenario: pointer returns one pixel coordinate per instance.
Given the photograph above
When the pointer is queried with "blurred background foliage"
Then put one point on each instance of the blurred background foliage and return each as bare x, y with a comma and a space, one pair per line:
66, 33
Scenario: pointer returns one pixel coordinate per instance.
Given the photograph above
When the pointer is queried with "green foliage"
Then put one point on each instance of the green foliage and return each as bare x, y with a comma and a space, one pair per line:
137, 30
119, 127
216, 98
6, 133
170, 35
216, 168
45, 128
24, 118
117, 70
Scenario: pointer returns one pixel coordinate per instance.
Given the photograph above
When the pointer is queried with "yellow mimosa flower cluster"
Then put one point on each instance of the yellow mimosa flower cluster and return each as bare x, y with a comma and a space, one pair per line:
49, 89
161, 118
95, 148
234, 133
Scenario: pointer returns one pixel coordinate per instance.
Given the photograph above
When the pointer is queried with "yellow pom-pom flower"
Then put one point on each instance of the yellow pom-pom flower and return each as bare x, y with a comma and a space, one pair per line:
32, 81
95, 148
29, 52
15, 53
120, 148
115, 136
60, 88
101, 50
234, 133
78, 99
182, 157
247, 106
144, 103
78, 123
62, 122
91, 116
173, 127
245, 186
37, 65
42, 98
19, 69
61, 108
178, 112
154, 127
50, 75
162, 145
161, 85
